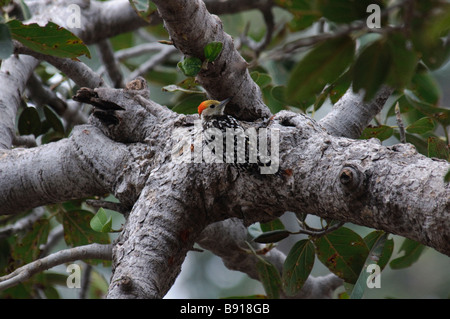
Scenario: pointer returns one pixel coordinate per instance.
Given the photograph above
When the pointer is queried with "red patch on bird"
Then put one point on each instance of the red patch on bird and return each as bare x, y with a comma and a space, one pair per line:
202, 107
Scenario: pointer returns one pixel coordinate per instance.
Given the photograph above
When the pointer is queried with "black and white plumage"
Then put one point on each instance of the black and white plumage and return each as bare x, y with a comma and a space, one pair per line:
218, 126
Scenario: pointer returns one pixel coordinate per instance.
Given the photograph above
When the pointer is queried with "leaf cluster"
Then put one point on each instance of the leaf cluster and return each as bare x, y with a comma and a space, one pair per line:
343, 251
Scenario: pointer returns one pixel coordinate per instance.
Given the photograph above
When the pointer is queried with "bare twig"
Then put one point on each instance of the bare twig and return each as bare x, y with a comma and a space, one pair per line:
23, 223
138, 50
68, 255
85, 279
79, 72
55, 235
111, 64
401, 127
320, 232
42, 95
258, 47
155, 60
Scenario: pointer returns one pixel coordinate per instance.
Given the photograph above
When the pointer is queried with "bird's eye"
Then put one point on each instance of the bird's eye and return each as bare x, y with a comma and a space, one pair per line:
212, 106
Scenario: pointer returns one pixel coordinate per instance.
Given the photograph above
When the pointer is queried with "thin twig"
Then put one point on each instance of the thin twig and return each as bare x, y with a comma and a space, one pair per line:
401, 126
319, 232
80, 73
23, 273
111, 64
23, 223
258, 47
138, 50
85, 280
165, 53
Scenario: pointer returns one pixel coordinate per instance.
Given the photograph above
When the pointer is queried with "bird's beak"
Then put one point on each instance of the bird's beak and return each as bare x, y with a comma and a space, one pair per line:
224, 103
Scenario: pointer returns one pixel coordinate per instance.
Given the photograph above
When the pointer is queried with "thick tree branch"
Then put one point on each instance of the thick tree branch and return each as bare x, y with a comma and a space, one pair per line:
14, 74
350, 115
128, 150
191, 28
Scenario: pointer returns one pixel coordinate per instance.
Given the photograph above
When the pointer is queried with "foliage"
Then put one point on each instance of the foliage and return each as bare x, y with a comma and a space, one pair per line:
302, 76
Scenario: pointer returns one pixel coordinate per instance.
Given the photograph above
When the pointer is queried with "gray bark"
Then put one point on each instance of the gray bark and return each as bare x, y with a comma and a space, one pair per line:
174, 205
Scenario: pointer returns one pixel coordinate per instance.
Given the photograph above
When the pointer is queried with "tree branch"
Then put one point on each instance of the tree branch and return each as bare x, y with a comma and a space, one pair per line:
227, 240
191, 28
351, 115
111, 63
14, 74
79, 72
23, 223
92, 251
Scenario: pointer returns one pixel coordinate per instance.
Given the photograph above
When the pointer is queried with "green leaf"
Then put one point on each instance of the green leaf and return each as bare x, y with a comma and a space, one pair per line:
381, 132
262, 79
50, 39
212, 50
270, 278
275, 224
279, 93
297, 266
436, 55
340, 86
29, 122
429, 35
53, 119
6, 45
421, 126
77, 229
322, 98
101, 222
442, 115
144, 8
345, 11
189, 105
25, 10
343, 252
321, 66
190, 66
371, 68
372, 238
438, 148
404, 61
272, 236
412, 251
98, 287
425, 87
304, 15
27, 248
373, 258
447, 177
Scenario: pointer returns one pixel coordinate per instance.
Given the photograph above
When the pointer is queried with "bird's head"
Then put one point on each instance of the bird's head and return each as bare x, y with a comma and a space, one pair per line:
212, 107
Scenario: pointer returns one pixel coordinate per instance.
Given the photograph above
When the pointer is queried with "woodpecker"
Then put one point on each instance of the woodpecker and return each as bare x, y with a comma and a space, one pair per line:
213, 117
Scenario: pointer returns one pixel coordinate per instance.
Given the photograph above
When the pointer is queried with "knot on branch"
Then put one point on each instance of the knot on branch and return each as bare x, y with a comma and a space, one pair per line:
351, 178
